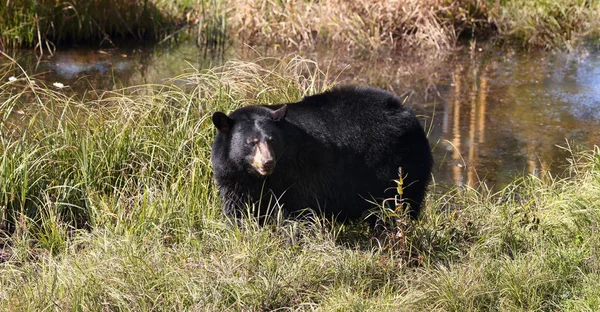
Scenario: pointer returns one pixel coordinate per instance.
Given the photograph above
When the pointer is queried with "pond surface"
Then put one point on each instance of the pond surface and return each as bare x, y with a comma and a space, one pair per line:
512, 114
492, 115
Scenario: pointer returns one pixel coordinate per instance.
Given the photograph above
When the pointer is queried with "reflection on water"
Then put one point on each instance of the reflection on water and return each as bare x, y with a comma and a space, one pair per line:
71, 64
492, 115
84, 70
580, 87
504, 115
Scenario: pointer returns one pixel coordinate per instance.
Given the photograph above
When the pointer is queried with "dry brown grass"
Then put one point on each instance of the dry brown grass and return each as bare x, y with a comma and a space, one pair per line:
363, 24
425, 25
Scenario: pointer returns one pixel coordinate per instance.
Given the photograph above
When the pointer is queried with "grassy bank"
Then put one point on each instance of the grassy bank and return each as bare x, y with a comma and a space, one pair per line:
108, 204
44, 24
364, 25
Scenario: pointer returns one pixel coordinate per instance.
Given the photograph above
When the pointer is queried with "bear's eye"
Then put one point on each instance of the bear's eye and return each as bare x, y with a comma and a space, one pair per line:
270, 139
253, 142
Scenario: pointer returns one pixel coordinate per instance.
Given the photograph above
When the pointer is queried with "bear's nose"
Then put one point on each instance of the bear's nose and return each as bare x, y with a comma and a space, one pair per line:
269, 164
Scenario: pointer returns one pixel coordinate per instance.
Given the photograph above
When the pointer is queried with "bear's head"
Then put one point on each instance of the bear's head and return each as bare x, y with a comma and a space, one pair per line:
254, 136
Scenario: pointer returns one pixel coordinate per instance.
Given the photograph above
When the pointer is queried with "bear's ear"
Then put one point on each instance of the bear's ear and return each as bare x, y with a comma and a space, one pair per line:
222, 122
279, 114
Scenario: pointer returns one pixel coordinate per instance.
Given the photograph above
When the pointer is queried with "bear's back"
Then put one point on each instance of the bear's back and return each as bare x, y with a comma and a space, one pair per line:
364, 120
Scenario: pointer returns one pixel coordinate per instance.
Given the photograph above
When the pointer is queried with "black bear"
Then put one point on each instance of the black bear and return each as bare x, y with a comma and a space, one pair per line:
336, 152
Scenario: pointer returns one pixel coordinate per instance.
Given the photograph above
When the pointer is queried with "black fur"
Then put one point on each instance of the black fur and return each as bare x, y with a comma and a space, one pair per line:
334, 152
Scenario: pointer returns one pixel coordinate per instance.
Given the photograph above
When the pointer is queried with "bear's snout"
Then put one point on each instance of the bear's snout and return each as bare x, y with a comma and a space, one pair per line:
268, 167
263, 160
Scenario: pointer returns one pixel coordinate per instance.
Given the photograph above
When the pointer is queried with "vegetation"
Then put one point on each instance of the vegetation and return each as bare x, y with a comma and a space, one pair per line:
547, 24
45, 24
108, 204
432, 25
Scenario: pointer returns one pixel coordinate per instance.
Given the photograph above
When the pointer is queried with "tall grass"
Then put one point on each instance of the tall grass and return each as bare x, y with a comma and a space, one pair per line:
44, 24
431, 25
547, 24
360, 24
109, 204
363, 25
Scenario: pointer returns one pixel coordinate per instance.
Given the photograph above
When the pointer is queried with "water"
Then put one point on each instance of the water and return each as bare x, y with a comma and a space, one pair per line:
86, 69
492, 115
509, 114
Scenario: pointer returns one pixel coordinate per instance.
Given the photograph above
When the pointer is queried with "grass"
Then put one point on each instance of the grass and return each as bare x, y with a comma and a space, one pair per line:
430, 25
108, 204
364, 25
44, 24
547, 24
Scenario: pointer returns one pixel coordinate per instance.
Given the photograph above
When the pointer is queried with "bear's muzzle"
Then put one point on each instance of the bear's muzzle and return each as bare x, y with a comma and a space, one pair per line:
263, 160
